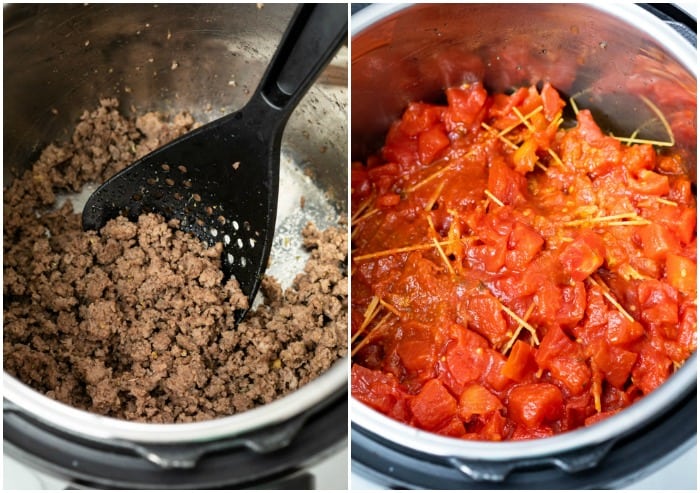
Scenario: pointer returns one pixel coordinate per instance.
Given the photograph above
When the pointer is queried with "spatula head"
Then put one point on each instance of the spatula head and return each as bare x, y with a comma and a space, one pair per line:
220, 181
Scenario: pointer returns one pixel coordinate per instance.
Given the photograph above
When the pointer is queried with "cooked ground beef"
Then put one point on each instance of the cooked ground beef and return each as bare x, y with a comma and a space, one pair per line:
135, 322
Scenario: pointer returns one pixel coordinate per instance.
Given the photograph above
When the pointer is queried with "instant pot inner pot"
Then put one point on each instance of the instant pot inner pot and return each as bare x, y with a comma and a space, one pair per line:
59, 60
608, 58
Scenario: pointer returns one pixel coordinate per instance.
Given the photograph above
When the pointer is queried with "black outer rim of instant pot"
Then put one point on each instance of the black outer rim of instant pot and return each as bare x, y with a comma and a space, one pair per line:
630, 459
105, 464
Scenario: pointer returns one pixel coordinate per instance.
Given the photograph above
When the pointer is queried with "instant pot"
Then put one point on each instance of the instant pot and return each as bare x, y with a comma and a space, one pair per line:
207, 59
605, 55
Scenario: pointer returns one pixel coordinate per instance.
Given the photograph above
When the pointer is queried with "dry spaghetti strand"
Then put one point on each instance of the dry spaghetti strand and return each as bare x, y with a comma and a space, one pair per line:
522, 322
596, 281
515, 335
622, 219
371, 334
370, 313
406, 249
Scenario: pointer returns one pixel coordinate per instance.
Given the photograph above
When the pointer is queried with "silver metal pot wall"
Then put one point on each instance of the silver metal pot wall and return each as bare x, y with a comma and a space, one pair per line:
606, 56
207, 59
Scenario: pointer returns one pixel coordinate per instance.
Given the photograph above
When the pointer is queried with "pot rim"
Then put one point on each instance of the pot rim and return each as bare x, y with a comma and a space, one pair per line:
71, 419
604, 432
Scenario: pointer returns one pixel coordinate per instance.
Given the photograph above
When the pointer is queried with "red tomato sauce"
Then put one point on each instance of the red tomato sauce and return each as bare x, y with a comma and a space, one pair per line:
513, 279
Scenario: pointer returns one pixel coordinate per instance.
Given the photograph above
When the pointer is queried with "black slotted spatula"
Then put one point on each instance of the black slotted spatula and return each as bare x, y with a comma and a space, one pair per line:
221, 180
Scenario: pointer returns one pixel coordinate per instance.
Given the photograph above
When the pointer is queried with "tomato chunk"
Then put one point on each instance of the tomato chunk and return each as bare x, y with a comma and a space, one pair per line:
583, 256
476, 399
524, 244
659, 302
380, 391
465, 105
533, 404
420, 117
520, 362
621, 330
564, 359
430, 143
433, 406
486, 317
657, 241
681, 273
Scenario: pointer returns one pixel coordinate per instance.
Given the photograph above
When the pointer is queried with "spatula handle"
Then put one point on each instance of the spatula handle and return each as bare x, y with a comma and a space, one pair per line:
314, 34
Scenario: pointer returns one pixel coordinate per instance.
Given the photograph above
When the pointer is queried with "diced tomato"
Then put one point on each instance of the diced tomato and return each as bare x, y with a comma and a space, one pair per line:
520, 362
465, 363
573, 305
524, 433
651, 370
564, 359
681, 273
503, 105
547, 301
525, 157
551, 101
400, 148
486, 317
380, 391
505, 183
588, 150
388, 169
681, 190
657, 241
685, 226
417, 352
420, 117
576, 409
476, 399
465, 106
430, 143
597, 310
616, 363
359, 180
494, 376
383, 177
622, 331
688, 328
454, 428
659, 302
572, 371
583, 256
649, 183
494, 426
489, 257
523, 245
434, 406
588, 128
533, 404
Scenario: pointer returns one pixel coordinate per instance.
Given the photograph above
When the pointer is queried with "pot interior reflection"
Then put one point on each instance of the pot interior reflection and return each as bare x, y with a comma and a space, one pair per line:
594, 54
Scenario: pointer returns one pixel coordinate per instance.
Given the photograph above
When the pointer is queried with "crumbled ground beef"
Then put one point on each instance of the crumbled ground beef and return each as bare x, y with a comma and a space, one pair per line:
135, 322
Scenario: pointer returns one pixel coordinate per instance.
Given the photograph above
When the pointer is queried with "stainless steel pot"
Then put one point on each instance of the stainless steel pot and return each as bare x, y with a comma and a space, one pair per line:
60, 59
605, 56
